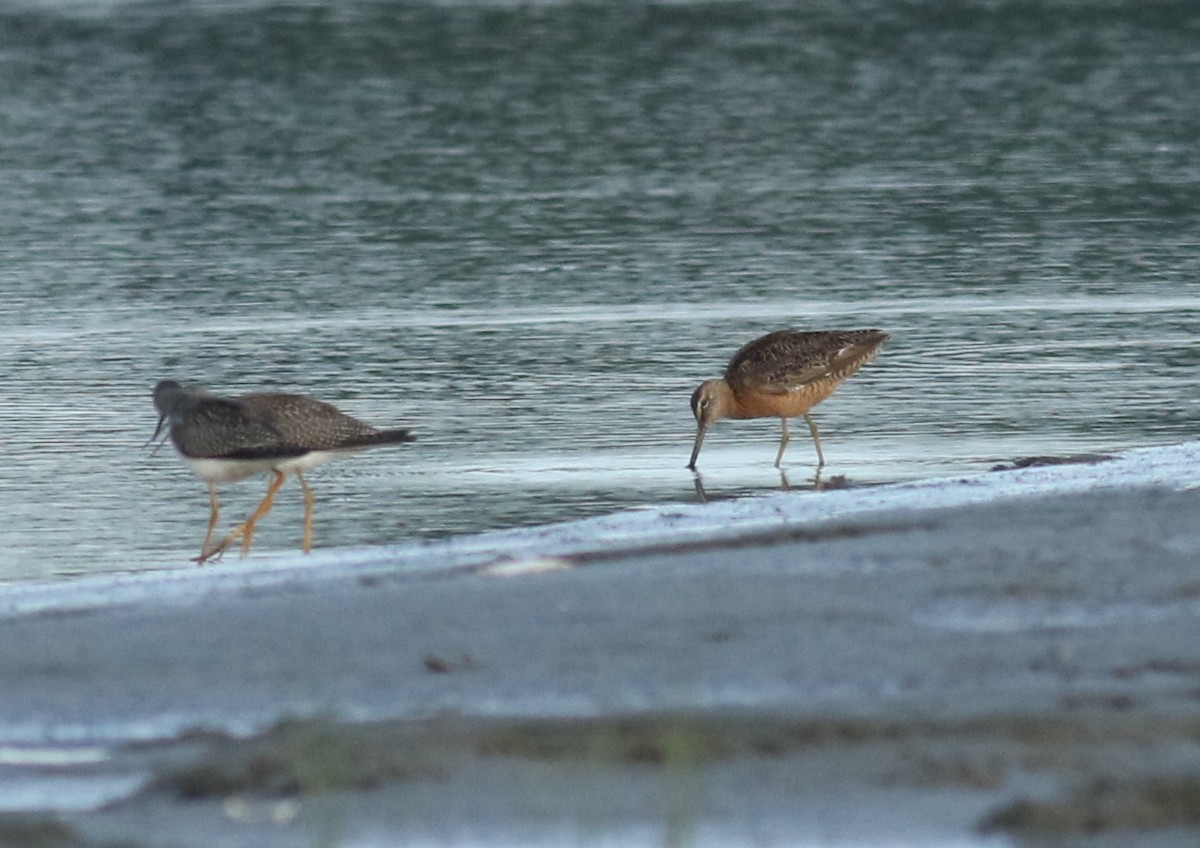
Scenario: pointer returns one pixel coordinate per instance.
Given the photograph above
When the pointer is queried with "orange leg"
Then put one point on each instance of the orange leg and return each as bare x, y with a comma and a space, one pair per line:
245, 530
212, 521
308, 512
263, 508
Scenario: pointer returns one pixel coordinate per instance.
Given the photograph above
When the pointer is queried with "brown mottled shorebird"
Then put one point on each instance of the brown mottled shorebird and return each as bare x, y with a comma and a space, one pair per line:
229, 439
782, 375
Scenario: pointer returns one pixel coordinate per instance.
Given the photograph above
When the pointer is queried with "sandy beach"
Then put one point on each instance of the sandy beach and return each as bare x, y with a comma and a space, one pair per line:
1007, 659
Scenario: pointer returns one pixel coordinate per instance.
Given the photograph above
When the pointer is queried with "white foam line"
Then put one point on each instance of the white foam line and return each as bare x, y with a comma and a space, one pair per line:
1173, 467
60, 756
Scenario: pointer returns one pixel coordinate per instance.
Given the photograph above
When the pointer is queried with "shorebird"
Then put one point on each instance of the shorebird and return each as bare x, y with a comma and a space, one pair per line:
782, 375
229, 439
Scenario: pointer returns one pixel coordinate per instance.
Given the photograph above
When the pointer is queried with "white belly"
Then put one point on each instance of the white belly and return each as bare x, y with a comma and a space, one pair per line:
309, 460
231, 470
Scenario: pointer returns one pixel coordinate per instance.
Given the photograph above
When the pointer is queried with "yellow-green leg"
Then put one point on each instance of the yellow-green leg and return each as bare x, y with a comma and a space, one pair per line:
783, 440
812, 427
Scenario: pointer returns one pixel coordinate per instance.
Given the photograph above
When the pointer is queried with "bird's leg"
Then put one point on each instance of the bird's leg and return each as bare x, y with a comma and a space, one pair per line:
308, 512
212, 521
263, 508
812, 426
245, 530
783, 440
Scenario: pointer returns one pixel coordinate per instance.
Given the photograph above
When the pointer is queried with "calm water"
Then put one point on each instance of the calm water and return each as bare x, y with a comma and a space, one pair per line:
527, 232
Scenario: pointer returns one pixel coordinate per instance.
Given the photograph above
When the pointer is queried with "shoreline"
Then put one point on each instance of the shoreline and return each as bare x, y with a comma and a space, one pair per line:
1014, 655
625, 533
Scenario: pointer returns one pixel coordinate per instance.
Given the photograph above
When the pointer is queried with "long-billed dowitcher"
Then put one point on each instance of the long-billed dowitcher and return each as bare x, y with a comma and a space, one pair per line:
782, 375
229, 439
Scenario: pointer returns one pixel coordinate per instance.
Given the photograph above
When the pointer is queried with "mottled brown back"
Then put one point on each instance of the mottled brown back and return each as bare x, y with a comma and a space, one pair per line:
782, 361
218, 428
267, 426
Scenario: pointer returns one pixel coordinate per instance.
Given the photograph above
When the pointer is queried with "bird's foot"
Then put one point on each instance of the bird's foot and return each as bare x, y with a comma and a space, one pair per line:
210, 555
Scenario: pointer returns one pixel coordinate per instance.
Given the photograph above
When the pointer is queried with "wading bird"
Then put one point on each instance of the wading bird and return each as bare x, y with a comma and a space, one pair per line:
229, 439
782, 375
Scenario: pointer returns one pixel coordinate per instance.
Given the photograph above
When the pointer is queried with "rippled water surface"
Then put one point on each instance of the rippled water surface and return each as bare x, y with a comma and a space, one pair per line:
528, 231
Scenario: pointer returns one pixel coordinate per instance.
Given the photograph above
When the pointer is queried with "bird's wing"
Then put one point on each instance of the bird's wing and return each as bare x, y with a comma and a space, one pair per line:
304, 423
219, 428
785, 360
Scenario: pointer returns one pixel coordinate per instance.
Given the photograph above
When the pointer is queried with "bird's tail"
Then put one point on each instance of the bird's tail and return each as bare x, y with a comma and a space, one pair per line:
383, 437
861, 347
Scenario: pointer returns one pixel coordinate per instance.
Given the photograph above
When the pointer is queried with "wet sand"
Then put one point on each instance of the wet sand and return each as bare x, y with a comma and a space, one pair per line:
1024, 670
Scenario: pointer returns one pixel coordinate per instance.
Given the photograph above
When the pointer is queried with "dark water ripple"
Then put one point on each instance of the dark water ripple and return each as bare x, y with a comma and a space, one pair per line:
527, 231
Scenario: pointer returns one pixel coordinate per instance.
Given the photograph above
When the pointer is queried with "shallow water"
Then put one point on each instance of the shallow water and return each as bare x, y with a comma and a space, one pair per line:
527, 232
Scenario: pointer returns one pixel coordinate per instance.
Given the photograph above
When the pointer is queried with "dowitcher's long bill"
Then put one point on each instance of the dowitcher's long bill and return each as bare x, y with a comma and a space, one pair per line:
782, 375
229, 439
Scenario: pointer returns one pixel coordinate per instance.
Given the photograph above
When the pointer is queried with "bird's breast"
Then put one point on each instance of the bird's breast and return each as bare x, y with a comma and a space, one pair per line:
229, 470
753, 403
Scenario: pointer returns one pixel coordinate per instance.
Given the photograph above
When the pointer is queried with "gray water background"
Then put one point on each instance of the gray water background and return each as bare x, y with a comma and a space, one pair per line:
527, 231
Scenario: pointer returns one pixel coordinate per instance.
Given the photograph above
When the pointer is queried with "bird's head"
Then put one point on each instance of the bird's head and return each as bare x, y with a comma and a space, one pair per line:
169, 399
711, 402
